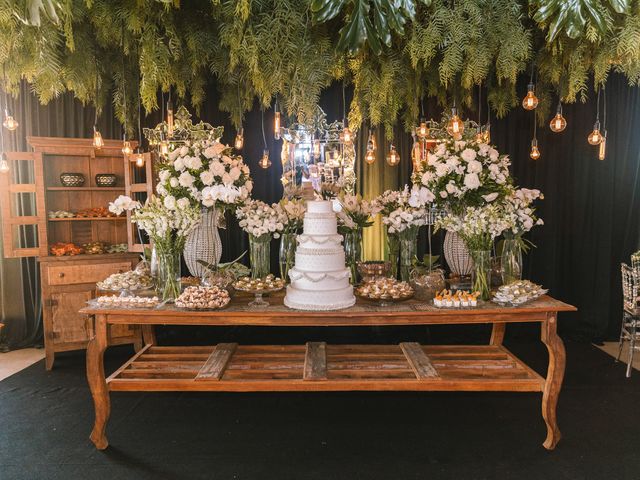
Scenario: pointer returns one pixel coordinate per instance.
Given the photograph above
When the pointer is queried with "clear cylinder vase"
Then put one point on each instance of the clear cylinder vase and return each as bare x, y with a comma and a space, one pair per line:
288, 245
353, 252
260, 255
168, 279
511, 260
393, 247
408, 251
481, 273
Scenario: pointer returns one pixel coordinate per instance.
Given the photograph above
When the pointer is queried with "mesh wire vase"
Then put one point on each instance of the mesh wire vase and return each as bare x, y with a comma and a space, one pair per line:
457, 255
203, 243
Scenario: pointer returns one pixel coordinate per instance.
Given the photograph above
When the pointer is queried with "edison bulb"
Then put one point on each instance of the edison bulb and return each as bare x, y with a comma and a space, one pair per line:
126, 148
346, 135
370, 157
416, 155
239, 141
164, 148
595, 137
423, 130
455, 127
276, 125
479, 135
558, 123
316, 148
393, 157
530, 101
487, 134
140, 160
264, 161
98, 142
170, 118
10, 123
4, 165
603, 147
535, 151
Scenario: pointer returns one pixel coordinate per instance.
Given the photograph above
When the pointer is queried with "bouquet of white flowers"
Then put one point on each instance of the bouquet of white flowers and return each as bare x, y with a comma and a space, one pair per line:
354, 213
520, 214
258, 218
397, 212
205, 173
293, 211
460, 173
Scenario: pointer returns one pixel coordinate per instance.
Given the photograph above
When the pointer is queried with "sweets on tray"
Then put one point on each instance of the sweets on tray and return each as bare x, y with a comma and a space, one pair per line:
117, 248
96, 212
518, 292
61, 214
203, 298
457, 299
190, 281
268, 283
61, 249
385, 289
94, 248
134, 301
131, 280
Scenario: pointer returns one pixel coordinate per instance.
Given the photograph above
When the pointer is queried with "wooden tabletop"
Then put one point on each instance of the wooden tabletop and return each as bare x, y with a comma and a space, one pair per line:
410, 312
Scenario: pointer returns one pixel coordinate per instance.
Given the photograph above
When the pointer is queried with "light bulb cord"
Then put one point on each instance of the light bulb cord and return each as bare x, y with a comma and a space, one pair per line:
535, 127
604, 110
598, 105
479, 104
124, 87
264, 137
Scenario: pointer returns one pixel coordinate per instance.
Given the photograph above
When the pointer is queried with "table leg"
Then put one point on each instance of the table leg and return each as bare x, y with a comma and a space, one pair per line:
553, 383
497, 334
148, 335
98, 383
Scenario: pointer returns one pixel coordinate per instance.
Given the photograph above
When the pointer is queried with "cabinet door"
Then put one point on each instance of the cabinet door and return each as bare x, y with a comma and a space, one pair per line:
24, 216
68, 325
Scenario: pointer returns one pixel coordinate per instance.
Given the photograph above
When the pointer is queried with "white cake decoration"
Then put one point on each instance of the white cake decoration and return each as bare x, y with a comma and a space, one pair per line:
319, 279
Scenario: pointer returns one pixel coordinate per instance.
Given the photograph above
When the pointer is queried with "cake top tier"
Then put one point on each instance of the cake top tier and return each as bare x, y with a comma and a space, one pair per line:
320, 206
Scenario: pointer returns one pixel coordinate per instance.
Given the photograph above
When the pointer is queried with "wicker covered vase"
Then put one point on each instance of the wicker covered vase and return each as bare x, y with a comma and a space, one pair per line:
203, 243
457, 255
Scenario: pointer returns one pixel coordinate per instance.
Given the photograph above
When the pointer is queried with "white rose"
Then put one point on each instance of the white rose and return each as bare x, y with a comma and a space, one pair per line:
474, 166
226, 179
164, 175
179, 164
182, 203
235, 173
206, 177
451, 188
184, 150
442, 169
468, 154
170, 202
195, 163
248, 185
173, 181
186, 179
471, 181
493, 154
490, 197
162, 191
444, 194
217, 168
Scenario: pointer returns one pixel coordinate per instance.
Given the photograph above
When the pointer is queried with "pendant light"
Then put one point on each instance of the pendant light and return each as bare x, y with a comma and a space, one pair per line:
535, 151
602, 151
264, 161
416, 151
138, 154
238, 143
126, 144
9, 122
164, 145
98, 142
558, 123
346, 136
530, 101
455, 126
423, 129
4, 164
170, 120
487, 128
370, 157
479, 132
276, 122
393, 157
595, 137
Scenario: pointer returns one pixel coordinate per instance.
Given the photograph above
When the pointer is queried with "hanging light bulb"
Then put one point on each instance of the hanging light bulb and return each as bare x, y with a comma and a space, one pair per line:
170, 125
346, 136
126, 147
423, 130
595, 137
530, 101
535, 151
393, 157
4, 165
316, 148
239, 141
164, 148
264, 162
558, 123
603, 147
276, 125
9, 123
138, 157
370, 157
98, 142
455, 127
416, 155
479, 135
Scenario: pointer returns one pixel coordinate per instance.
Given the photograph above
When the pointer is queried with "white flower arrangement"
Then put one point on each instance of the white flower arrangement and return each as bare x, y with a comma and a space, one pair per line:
398, 211
206, 173
461, 173
478, 226
258, 218
294, 211
519, 213
353, 212
123, 204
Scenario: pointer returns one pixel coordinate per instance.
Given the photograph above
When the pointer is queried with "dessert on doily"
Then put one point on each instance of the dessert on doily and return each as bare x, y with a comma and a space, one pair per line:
259, 286
319, 279
518, 292
203, 298
457, 299
385, 290
134, 301
131, 280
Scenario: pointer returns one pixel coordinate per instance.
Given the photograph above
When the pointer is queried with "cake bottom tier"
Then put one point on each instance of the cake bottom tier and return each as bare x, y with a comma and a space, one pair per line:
319, 300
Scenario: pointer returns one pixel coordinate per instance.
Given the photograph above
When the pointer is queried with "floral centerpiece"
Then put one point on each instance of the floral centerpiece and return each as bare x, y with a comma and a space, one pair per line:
293, 212
207, 174
521, 217
354, 215
262, 222
402, 214
168, 222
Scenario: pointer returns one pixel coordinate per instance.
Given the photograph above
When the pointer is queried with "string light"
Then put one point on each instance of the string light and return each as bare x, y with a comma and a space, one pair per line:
276, 121
479, 133
264, 161
126, 147
170, 125
370, 156
558, 123
530, 101
602, 151
10, 123
535, 151
346, 135
595, 137
239, 141
423, 130
455, 127
393, 157
98, 142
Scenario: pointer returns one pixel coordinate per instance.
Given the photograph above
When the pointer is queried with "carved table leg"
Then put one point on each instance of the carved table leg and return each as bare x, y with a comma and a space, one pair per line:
148, 335
97, 382
553, 384
497, 334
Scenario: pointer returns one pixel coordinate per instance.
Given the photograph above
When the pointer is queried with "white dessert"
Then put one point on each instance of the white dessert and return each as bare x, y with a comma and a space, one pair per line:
319, 279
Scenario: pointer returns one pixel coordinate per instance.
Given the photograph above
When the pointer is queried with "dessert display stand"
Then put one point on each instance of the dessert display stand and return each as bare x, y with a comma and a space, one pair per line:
317, 366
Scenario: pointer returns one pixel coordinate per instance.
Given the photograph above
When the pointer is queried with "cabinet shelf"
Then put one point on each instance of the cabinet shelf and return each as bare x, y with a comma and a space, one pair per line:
86, 219
85, 189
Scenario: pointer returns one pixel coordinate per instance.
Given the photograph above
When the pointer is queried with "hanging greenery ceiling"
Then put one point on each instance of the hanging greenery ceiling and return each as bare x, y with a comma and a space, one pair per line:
393, 52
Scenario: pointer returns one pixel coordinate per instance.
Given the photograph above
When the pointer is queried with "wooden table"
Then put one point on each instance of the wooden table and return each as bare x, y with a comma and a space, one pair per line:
317, 366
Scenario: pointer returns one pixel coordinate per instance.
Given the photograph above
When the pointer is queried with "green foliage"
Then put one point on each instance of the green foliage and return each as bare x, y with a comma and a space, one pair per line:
393, 52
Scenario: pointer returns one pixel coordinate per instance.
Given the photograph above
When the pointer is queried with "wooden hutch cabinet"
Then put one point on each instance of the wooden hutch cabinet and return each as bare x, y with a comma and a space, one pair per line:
31, 190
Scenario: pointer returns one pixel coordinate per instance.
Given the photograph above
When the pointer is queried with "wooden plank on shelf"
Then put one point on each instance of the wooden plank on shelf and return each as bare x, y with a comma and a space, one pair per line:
128, 363
216, 364
315, 361
22, 188
418, 360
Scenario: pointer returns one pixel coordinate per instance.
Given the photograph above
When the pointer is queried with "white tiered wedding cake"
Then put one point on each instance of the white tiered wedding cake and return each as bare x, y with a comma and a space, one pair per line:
319, 279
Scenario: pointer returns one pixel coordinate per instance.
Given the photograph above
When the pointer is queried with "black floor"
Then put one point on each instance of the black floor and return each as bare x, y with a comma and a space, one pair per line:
45, 420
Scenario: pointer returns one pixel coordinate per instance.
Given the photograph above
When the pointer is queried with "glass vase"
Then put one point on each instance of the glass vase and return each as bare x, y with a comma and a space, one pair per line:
393, 246
353, 252
260, 255
481, 273
408, 251
168, 285
511, 260
288, 245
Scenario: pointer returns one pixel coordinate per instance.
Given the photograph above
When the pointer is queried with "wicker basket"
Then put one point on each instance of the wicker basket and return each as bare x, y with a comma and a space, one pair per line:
71, 179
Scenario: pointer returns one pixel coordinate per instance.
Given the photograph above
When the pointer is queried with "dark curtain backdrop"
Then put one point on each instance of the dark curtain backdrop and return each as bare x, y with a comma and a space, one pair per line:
591, 208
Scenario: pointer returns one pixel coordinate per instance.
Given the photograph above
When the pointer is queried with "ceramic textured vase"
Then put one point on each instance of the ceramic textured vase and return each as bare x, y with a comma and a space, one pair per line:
203, 243
457, 255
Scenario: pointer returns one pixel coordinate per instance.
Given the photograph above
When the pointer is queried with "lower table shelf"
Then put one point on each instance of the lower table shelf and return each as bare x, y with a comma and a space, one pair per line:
317, 366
